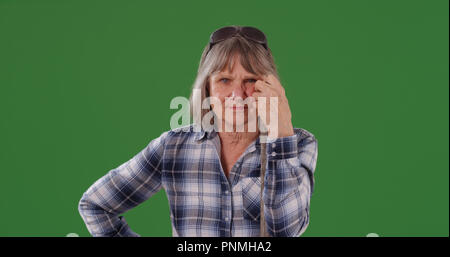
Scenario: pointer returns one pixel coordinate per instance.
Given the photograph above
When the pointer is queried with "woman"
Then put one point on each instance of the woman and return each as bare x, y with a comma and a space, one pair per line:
213, 178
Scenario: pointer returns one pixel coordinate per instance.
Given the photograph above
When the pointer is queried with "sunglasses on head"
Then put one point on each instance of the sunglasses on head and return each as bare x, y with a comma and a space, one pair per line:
250, 33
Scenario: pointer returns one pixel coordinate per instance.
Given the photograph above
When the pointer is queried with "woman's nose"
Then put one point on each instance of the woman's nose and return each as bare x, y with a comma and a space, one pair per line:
238, 91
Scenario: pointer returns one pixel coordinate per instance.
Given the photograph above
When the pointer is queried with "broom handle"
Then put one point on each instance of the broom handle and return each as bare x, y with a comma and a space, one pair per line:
263, 231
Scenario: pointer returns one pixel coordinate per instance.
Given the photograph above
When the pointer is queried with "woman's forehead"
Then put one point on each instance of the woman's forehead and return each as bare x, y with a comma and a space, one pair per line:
234, 66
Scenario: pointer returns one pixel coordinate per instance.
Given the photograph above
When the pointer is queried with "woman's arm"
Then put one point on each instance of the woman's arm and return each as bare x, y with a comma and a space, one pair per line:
289, 182
122, 189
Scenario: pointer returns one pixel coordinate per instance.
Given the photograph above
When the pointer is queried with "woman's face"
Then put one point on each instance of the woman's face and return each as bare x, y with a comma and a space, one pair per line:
236, 85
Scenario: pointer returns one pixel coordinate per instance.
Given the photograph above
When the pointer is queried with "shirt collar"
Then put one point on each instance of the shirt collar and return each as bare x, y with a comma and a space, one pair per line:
200, 135
204, 134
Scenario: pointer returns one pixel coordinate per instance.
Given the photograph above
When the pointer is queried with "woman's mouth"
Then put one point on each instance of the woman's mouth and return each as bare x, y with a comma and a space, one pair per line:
239, 108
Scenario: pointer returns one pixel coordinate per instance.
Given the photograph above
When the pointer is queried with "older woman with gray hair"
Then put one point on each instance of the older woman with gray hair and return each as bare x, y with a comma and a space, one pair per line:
224, 179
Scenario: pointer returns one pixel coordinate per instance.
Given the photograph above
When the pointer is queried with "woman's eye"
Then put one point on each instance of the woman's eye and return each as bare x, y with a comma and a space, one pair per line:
251, 80
224, 80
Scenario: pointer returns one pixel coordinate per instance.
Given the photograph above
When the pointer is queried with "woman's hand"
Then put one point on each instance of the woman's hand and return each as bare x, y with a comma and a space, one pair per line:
270, 86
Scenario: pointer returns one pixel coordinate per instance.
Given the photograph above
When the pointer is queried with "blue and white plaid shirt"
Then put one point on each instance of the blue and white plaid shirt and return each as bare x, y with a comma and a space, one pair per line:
202, 200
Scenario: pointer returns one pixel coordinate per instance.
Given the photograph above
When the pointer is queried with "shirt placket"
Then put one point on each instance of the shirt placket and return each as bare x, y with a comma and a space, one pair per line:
226, 195
226, 187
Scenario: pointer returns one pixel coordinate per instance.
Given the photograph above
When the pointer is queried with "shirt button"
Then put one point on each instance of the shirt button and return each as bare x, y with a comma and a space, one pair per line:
226, 218
226, 192
273, 145
273, 153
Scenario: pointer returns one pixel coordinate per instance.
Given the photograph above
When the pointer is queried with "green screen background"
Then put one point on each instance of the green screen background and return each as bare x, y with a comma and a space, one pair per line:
85, 85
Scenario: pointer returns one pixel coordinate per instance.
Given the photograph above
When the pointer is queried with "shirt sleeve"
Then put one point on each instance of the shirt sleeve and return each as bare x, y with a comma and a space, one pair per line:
289, 183
120, 190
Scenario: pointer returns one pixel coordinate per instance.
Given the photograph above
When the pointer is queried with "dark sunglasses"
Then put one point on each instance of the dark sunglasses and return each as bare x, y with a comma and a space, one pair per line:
250, 33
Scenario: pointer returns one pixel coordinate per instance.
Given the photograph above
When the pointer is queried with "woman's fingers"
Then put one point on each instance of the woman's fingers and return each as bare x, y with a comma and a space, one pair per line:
269, 82
261, 87
275, 83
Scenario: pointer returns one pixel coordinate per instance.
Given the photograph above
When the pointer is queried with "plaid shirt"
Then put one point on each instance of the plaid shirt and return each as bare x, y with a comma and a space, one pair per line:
202, 200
